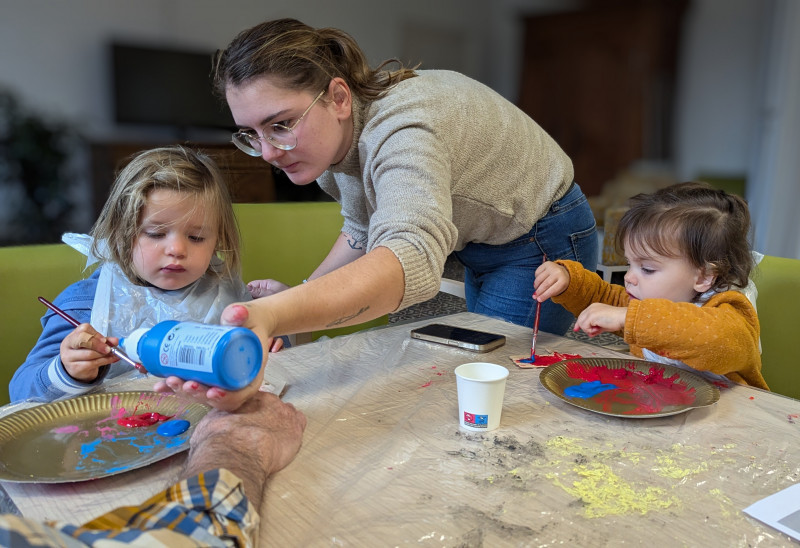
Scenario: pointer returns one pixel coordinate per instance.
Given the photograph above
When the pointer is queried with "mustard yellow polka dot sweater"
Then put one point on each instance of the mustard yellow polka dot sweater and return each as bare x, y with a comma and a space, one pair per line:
721, 336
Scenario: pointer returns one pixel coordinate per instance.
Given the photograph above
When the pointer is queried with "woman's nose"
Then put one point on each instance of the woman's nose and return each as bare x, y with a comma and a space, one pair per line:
270, 153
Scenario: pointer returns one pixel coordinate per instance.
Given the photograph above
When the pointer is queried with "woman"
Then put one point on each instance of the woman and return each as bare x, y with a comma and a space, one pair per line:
423, 163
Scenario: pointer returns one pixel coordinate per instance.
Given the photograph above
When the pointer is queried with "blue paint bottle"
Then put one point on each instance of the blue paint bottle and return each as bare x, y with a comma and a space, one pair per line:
215, 355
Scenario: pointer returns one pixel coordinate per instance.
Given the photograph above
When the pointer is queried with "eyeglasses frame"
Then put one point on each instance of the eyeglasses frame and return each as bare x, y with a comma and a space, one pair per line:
246, 135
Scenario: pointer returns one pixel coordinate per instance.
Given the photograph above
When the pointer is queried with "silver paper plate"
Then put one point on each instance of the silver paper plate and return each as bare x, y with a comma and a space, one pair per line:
628, 388
80, 439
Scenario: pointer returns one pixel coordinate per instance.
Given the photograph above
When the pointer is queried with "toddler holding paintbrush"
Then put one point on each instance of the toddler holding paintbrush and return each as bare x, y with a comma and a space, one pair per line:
682, 302
168, 248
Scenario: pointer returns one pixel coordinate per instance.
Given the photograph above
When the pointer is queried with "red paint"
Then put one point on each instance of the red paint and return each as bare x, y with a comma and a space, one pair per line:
644, 392
752, 397
544, 361
426, 385
142, 419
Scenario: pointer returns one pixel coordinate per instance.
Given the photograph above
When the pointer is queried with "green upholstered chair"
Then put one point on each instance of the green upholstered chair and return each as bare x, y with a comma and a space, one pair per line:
778, 282
286, 241
27, 272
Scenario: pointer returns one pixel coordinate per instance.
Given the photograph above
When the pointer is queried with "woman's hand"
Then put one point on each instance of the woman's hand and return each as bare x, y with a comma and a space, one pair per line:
552, 280
84, 351
598, 318
264, 288
219, 398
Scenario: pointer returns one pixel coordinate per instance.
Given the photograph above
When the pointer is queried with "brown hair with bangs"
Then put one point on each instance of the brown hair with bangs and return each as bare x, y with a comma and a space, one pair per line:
707, 226
176, 168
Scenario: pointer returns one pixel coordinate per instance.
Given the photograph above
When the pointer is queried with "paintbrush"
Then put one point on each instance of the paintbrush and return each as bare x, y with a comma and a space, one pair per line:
535, 331
75, 323
536, 323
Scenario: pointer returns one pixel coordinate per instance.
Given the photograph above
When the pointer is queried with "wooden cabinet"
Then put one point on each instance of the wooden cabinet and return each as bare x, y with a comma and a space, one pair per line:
250, 179
600, 80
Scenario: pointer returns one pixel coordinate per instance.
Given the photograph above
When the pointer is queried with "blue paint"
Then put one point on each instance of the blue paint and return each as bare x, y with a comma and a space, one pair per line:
587, 389
100, 454
116, 469
89, 448
173, 427
532, 359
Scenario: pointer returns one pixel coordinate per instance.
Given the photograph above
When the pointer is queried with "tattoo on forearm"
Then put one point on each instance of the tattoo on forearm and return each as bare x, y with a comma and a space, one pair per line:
354, 244
344, 319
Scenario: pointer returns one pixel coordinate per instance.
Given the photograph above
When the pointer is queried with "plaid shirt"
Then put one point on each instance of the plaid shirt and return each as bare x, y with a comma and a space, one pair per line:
206, 510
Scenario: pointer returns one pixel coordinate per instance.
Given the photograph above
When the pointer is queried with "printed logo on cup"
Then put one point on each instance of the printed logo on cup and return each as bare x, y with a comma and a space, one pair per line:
476, 421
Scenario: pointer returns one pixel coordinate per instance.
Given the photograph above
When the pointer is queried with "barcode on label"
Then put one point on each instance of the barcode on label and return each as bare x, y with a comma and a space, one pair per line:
191, 355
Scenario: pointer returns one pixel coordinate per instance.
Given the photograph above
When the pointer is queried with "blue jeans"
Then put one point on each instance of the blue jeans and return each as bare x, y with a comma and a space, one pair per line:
498, 279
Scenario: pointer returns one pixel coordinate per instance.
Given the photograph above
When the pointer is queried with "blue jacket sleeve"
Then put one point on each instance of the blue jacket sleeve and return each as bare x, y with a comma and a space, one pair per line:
42, 377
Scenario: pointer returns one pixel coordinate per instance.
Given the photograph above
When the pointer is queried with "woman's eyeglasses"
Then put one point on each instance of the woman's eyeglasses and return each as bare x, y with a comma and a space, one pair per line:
277, 135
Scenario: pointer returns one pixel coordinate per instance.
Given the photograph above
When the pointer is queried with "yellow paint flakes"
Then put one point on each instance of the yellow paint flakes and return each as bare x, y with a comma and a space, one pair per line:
725, 504
605, 494
565, 446
668, 467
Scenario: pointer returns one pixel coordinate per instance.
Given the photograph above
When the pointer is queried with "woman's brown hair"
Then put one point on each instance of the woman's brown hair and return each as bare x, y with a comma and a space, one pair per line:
301, 57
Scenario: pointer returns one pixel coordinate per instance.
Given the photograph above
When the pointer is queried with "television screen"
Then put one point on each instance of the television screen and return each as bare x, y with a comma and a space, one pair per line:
165, 87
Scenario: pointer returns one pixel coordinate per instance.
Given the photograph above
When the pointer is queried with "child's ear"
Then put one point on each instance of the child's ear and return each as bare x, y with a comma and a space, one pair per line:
705, 279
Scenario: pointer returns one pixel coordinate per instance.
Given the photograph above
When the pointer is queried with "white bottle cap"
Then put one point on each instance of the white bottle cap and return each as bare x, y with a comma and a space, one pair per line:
130, 344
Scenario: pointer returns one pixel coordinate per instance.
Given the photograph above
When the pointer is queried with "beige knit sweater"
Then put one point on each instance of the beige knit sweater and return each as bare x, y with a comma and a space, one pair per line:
438, 162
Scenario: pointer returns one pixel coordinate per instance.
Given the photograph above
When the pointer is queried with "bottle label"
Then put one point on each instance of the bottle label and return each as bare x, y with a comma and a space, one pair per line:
190, 346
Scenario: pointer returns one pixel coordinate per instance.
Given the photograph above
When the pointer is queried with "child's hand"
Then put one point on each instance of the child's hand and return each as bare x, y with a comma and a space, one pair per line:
552, 280
275, 345
264, 288
598, 318
84, 351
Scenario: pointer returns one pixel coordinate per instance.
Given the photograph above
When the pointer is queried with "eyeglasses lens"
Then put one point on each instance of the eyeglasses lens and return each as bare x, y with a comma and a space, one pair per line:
279, 136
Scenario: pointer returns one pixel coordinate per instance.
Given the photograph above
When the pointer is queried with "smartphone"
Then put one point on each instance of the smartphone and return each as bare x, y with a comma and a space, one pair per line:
468, 339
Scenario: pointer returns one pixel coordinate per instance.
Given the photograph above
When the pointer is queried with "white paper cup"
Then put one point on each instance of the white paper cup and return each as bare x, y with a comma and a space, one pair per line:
481, 387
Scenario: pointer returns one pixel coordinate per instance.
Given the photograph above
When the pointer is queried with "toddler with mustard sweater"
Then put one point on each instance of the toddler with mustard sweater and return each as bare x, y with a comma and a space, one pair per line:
689, 258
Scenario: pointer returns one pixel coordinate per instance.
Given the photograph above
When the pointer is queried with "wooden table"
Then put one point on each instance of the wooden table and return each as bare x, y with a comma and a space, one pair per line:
384, 463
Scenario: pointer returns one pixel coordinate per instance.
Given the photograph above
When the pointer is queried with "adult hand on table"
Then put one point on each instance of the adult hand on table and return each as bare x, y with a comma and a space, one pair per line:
261, 437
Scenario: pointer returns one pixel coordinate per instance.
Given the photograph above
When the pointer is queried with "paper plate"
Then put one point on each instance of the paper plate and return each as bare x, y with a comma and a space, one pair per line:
628, 388
79, 438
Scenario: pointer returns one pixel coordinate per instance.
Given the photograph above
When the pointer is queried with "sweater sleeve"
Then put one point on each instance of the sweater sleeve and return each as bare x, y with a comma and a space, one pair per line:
43, 377
411, 177
720, 337
586, 287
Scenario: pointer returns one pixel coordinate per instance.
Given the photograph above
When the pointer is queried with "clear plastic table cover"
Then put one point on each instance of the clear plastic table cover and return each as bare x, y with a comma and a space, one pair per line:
384, 462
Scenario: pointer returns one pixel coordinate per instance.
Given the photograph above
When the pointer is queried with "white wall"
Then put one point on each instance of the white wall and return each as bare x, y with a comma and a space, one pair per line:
716, 96
53, 54
775, 159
